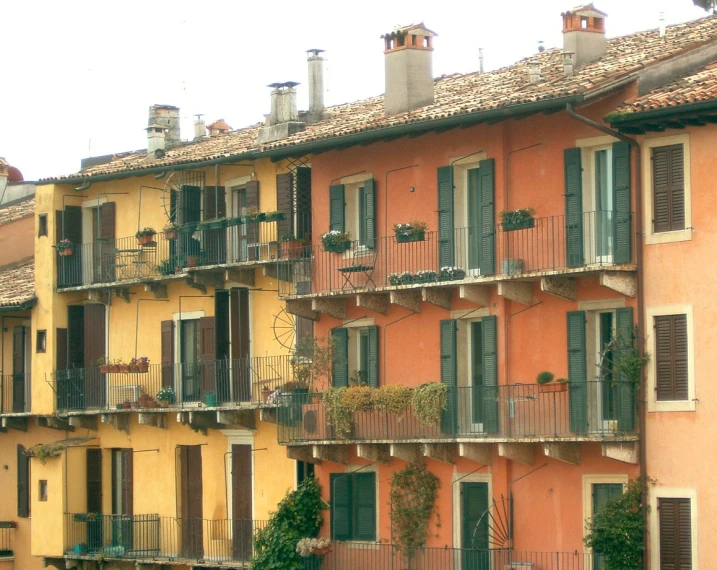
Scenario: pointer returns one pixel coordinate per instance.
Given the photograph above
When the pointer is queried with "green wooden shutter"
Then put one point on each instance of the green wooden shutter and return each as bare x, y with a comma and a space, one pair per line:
372, 376
573, 208
486, 174
489, 343
577, 372
336, 208
474, 523
446, 246
625, 388
369, 196
341, 507
341, 357
601, 494
364, 506
621, 189
449, 373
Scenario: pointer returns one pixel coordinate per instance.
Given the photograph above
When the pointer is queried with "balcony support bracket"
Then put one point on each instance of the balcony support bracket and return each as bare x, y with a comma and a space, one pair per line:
301, 308
568, 452
244, 419
518, 291
410, 300
84, 422
563, 287
118, 421
53, 422
195, 285
620, 281
439, 296
520, 452
200, 422
100, 296
478, 452
408, 452
625, 451
375, 452
445, 452
154, 419
303, 453
59, 563
376, 303
333, 307
332, 453
214, 278
268, 415
244, 277
159, 290
19, 424
477, 294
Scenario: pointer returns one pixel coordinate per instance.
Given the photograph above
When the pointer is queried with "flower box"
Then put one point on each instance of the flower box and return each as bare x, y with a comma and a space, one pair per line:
553, 387
66, 252
145, 239
124, 368
339, 247
104, 368
292, 249
523, 224
414, 236
274, 217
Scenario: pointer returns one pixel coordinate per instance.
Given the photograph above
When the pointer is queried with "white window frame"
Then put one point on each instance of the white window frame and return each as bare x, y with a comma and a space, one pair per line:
652, 237
372, 468
352, 206
653, 405
460, 206
672, 493
239, 437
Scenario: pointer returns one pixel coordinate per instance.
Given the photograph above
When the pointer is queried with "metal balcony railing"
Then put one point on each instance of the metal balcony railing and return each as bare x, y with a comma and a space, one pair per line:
576, 411
212, 383
14, 389
7, 535
390, 262
150, 536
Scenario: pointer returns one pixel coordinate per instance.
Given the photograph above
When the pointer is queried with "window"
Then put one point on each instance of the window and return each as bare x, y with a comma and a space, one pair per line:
352, 209
42, 490
42, 225
304, 470
675, 528
353, 506
41, 341
23, 483
355, 356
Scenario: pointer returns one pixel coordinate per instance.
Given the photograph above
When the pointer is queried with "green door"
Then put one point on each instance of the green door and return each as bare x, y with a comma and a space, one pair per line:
477, 372
474, 219
602, 493
608, 389
474, 526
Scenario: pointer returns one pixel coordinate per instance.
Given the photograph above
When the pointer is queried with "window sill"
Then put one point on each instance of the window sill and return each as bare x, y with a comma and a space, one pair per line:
652, 238
672, 406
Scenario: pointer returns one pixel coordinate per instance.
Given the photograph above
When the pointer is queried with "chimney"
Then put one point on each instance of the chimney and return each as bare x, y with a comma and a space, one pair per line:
584, 34
409, 68
283, 119
200, 128
662, 24
218, 127
480, 60
316, 84
568, 63
156, 138
166, 116
534, 70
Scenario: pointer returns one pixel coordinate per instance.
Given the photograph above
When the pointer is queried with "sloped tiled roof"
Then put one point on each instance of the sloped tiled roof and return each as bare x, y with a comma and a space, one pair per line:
17, 211
455, 95
17, 283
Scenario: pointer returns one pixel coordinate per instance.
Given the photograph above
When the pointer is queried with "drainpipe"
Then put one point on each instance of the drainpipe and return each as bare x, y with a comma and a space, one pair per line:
642, 408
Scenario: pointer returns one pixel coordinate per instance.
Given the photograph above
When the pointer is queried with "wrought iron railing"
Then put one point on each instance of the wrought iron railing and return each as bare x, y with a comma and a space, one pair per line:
434, 258
212, 383
569, 411
14, 392
150, 536
7, 535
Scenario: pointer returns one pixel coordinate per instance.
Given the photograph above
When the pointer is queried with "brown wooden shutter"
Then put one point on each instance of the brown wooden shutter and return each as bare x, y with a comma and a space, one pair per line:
208, 345
252, 194
668, 184
76, 336
59, 233
23, 483
671, 357
107, 221
191, 497
73, 224
61, 349
95, 346
303, 202
167, 341
127, 482
285, 203
241, 502
215, 202
94, 480
18, 350
675, 534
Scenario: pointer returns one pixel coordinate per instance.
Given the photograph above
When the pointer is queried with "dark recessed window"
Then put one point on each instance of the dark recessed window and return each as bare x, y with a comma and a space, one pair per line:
42, 490
42, 225
41, 341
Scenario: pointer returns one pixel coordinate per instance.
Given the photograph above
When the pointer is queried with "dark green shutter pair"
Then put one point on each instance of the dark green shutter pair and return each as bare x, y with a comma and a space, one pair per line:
485, 231
341, 357
337, 213
353, 506
574, 217
449, 376
577, 372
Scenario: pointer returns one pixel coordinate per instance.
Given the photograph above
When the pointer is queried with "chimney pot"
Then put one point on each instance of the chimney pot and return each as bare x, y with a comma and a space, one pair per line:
283, 119
166, 116
534, 71
200, 127
316, 84
662, 24
156, 138
568, 63
584, 34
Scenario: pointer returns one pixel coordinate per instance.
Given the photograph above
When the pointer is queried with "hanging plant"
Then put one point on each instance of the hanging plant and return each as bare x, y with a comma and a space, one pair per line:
337, 415
394, 399
413, 498
44, 451
429, 401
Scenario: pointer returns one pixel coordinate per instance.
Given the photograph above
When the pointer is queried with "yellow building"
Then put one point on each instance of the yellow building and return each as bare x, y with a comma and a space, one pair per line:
156, 287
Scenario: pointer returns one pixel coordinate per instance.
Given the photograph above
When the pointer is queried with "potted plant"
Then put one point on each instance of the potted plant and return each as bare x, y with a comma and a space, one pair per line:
104, 365
410, 231
139, 364
252, 215
291, 246
166, 267
546, 384
123, 368
313, 547
65, 247
145, 236
451, 274
165, 396
425, 276
170, 230
336, 241
115, 366
517, 219
265, 393
273, 216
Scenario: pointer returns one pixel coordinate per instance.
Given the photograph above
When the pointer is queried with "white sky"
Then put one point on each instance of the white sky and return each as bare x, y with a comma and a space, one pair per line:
80, 71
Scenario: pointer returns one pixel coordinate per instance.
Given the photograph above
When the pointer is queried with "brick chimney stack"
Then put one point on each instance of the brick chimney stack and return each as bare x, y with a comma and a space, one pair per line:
584, 34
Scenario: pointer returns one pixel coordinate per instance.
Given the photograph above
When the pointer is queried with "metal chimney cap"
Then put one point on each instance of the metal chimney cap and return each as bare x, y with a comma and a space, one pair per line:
284, 84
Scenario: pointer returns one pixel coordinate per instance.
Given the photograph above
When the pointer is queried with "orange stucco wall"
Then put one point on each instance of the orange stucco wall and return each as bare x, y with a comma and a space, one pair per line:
16, 240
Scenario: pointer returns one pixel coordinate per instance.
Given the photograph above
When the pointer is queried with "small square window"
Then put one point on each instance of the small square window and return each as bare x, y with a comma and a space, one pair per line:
42, 490
42, 225
41, 341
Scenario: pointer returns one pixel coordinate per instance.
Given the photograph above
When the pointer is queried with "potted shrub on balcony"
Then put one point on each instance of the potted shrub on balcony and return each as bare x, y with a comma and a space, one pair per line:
313, 549
165, 396
166, 267
104, 365
170, 230
145, 236
425, 276
517, 219
273, 216
546, 384
65, 247
291, 246
410, 231
139, 364
336, 241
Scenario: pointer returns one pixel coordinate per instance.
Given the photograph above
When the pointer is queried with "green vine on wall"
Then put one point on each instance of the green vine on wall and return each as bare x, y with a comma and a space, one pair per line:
413, 498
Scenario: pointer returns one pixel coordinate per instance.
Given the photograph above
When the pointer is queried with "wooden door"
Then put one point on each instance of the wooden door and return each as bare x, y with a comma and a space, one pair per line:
207, 356
240, 344
94, 499
242, 524
18, 369
122, 498
191, 499
474, 526
223, 348
74, 394
95, 346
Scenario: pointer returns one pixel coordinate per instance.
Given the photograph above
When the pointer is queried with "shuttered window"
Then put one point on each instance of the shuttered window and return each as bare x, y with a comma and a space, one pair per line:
668, 188
675, 534
577, 371
671, 381
573, 207
446, 230
340, 338
449, 373
337, 220
23, 483
363, 359
285, 204
353, 506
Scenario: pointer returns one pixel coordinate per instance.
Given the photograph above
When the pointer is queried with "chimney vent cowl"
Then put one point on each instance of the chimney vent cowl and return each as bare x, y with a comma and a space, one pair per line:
316, 85
584, 34
156, 138
568, 63
283, 119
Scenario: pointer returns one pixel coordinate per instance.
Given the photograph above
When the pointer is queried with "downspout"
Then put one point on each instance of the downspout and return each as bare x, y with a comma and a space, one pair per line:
642, 408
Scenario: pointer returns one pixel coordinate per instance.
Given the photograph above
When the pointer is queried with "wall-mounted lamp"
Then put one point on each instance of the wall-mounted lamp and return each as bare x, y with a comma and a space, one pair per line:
412, 189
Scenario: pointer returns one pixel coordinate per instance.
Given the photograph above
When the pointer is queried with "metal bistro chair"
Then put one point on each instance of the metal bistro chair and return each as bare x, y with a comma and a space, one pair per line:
363, 263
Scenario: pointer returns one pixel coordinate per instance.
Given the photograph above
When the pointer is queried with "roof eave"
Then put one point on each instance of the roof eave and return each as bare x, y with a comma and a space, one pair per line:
24, 306
625, 119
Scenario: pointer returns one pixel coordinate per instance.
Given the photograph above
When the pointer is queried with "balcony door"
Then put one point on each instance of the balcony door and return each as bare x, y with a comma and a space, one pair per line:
242, 524
474, 526
19, 361
606, 393
191, 502
239, 233
601, 239
122, 498
95, 539
190, 350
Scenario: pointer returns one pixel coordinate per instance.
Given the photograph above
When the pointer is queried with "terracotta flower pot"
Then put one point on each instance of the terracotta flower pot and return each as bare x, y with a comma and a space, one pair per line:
553, 387
104, 369
124, 368
66, 252
170, 234
143, 367
145, 239
114, 368
265, 393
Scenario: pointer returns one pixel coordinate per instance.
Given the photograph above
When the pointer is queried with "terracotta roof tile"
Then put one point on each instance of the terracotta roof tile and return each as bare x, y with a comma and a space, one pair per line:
455, 95
17, 283
17, 211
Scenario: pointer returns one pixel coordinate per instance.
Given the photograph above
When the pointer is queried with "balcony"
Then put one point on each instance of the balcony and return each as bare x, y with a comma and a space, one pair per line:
210, 383
7, 536
540, 250
126, 260
162, 539
590, 411
13, 394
